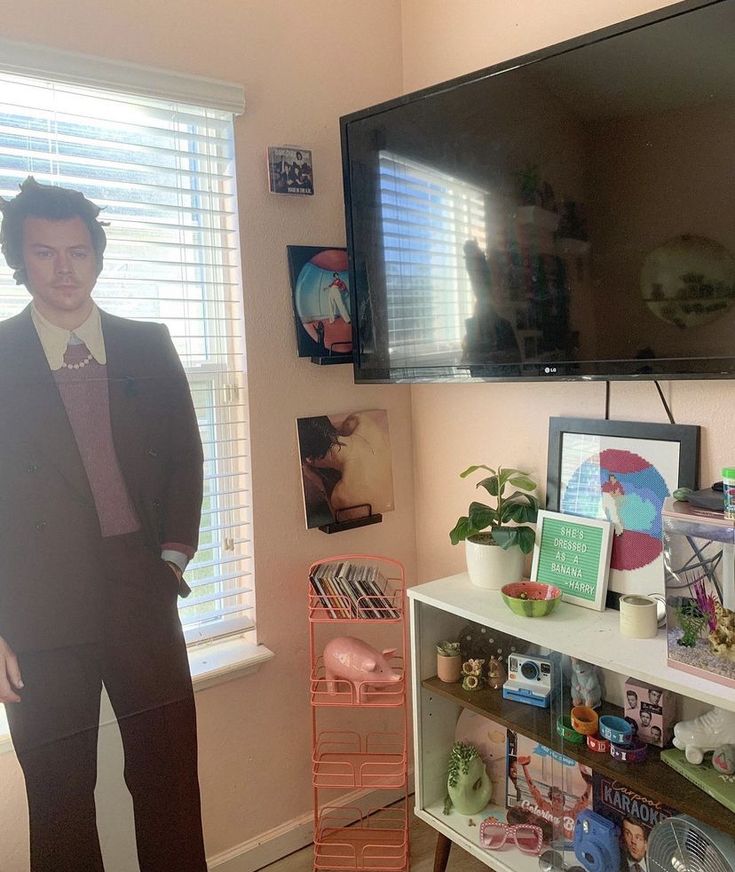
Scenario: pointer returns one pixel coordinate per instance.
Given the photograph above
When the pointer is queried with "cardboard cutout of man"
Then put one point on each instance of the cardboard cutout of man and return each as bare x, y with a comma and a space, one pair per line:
100, 498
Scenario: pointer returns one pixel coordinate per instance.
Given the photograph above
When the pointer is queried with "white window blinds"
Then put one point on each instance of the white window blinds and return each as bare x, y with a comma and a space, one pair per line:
164, 172
427, 217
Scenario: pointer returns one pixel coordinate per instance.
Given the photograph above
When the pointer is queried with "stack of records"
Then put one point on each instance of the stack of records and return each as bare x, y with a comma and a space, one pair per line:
353, 590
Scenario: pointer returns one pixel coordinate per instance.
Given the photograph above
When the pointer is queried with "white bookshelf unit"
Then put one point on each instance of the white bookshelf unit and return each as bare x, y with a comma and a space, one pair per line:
439, 609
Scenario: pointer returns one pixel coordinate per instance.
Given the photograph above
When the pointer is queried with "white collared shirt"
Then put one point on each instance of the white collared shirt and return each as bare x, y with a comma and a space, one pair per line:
55, 339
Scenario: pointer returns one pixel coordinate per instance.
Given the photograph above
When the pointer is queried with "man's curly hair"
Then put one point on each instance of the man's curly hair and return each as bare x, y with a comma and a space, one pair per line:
53, 203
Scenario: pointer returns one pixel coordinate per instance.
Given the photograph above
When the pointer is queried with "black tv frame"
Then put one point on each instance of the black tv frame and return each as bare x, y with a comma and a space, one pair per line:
649, 370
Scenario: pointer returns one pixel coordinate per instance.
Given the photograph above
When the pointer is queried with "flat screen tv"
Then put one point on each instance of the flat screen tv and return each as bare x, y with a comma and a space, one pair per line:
566, 215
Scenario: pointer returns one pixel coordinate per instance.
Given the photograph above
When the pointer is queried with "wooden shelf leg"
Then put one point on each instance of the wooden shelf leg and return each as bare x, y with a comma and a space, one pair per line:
441, 852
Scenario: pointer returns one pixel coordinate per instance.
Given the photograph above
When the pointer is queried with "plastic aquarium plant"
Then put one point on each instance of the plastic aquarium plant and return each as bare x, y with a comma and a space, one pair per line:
706, 603
692, 621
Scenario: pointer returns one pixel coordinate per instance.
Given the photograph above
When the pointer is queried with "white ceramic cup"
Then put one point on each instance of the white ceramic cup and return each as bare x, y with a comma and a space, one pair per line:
638, 616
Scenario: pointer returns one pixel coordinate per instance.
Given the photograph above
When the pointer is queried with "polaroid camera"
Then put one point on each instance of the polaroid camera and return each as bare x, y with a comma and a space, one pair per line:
529, 680
596, 842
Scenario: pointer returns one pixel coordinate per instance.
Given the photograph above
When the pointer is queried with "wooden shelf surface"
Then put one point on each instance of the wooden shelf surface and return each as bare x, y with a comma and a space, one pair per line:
590, 635
651, 778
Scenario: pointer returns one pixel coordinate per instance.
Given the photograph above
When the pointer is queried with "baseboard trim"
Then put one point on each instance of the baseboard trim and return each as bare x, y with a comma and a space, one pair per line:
266, 848
291, 836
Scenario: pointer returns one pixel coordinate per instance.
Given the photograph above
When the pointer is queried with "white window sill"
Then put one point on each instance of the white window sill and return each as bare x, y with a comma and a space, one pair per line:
210, 664
215, 662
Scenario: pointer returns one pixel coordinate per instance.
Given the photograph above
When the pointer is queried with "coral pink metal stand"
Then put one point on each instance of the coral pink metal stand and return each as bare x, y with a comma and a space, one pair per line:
348, 836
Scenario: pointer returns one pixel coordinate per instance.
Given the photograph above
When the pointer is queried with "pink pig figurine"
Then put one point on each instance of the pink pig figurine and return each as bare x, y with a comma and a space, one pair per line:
351, 659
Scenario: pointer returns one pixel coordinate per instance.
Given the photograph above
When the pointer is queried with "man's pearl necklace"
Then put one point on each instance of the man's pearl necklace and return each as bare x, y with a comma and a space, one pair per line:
79, 365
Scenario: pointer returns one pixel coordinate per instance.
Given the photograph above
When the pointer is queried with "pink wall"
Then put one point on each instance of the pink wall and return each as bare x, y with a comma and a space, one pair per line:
442, 40
456, 425
302, 66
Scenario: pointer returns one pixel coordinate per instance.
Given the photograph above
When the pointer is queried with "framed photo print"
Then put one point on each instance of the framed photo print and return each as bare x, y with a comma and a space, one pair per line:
574, 554
290, 170
321, 301
621, 472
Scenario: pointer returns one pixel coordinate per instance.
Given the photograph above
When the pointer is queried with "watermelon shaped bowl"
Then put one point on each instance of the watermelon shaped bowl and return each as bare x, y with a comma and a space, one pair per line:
531, 599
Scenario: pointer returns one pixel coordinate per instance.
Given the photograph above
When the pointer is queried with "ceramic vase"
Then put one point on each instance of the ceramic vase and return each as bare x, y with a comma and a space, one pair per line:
473, 789
491, 567
449, 669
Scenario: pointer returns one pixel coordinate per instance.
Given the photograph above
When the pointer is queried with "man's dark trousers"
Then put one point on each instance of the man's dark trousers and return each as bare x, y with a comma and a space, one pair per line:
141, 659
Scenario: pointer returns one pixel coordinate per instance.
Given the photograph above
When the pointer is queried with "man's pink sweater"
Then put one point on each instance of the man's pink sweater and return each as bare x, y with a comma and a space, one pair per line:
87, 402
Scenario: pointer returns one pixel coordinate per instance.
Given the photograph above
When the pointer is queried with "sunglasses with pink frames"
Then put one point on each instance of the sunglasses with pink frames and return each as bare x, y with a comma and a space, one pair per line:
527, 837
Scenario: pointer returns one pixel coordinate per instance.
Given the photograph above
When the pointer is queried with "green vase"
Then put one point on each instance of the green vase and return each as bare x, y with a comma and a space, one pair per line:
472, 789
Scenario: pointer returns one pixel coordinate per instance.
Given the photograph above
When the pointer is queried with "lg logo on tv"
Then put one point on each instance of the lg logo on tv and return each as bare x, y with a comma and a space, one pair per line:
549, 370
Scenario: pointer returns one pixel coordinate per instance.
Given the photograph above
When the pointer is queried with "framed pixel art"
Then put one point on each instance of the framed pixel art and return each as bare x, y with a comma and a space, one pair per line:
622, 471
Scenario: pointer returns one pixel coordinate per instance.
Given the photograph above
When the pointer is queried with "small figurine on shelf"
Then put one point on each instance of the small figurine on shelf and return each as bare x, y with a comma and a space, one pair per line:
347, 659
472, 674
468, 785
709, 732
496, 673
448, 661
585, 684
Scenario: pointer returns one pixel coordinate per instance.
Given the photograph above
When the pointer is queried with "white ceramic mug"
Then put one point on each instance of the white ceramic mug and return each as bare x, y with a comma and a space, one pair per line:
638, 616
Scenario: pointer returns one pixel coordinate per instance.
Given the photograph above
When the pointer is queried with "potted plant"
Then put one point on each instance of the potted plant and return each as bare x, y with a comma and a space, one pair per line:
448, 661
495, 549
469, 788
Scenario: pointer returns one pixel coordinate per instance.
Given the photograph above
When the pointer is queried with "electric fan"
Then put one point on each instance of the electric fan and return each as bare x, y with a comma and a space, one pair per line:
682, 844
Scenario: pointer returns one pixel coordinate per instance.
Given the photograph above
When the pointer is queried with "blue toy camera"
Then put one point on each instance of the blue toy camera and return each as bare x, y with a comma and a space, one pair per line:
596, 842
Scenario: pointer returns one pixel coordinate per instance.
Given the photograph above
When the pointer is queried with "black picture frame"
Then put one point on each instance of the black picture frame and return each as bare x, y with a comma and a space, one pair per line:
326, 337
679, 443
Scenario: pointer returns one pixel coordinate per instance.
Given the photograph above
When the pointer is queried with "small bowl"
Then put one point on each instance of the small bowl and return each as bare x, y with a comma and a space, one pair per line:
531, 599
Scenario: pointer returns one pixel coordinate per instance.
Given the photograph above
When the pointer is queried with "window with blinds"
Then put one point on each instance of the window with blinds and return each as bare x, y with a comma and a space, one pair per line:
164, 172
426, 218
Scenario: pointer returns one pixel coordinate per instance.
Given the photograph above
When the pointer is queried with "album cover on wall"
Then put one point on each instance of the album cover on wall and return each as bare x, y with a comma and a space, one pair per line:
290, 170
321, 301
346, 466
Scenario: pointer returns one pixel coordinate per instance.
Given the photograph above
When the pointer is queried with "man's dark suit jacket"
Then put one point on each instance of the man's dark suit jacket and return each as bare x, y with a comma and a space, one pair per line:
51, 593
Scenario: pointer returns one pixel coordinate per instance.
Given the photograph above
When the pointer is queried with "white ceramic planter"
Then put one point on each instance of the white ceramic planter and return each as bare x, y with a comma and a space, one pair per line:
491, 567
